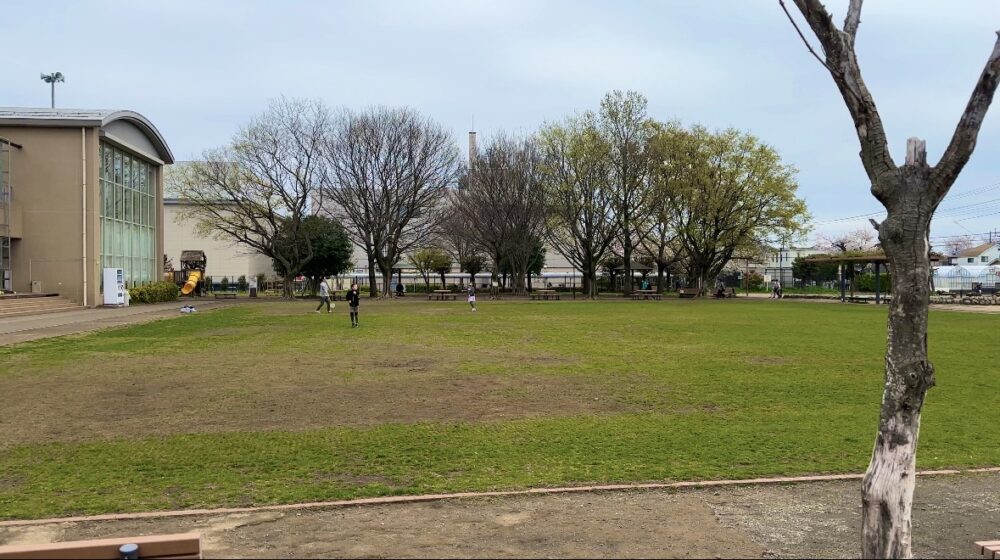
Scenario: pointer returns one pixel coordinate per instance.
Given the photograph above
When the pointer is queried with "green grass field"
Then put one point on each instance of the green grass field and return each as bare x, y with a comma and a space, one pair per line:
270, 403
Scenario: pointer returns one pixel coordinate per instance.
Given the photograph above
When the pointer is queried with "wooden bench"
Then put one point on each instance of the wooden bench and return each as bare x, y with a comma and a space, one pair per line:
988, 549
687, 292
442, 295
225, 295
645, 294
544, 294
183, 545
858, 299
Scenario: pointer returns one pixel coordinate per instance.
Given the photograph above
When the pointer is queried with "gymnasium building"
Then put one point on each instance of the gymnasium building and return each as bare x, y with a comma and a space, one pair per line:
80, 190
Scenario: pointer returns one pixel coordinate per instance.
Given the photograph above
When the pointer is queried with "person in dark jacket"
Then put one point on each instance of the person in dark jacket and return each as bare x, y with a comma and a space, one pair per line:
353, 301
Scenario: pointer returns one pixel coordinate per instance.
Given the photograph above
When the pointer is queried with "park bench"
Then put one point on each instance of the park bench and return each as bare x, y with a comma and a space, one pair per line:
645, 294
544, 294
687, 292
729, 293
988, 549
442, 295
163, 547
225, 295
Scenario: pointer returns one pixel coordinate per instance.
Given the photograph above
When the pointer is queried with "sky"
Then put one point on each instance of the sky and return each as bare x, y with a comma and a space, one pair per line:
198, 70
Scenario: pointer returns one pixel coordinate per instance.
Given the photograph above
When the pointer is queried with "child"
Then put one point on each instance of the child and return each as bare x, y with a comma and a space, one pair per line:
324, 297
353, 301
472, 295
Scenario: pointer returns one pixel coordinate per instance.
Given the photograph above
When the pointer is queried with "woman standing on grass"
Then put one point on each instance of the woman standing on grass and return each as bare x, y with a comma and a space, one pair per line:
472, 295
324, 296
353, 301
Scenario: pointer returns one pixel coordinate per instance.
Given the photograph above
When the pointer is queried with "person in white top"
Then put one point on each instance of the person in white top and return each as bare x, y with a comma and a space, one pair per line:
324, 297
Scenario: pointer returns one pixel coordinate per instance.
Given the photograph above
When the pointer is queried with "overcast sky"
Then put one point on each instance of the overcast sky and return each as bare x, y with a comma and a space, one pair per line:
200, 69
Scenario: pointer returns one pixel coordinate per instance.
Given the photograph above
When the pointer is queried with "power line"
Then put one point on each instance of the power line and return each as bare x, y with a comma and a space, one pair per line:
962, 194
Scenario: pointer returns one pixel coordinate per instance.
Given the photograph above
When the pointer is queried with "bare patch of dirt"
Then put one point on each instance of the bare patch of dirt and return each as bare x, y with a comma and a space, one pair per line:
810, 520
121, 396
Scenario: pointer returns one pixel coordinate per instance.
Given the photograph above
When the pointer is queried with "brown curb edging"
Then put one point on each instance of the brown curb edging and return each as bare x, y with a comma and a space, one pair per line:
459, 495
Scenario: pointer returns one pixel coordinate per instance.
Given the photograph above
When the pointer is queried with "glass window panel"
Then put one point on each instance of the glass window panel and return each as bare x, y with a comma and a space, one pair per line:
118, 166
104, 198
126, 171
142, 178
117, 212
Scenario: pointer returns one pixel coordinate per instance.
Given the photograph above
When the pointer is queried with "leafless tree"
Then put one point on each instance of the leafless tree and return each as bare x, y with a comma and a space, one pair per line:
578, 198
910, 193
390, 170
627, 130
503, 204
455, 237
259, 188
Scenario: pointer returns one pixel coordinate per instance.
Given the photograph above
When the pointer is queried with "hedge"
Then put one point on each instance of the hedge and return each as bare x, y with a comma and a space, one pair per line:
154, 293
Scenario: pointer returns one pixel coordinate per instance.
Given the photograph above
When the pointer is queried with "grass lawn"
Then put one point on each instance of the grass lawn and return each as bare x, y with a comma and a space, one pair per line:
271, 403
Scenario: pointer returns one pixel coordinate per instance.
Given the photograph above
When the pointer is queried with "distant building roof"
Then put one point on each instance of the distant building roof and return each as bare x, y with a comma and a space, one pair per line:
31, 116
976, 251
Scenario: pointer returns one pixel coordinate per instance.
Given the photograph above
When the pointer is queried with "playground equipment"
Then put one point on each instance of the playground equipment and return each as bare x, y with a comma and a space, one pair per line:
193, 265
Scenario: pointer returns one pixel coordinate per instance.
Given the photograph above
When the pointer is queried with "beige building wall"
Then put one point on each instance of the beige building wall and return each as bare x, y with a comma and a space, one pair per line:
49, 174
58, 243
224, 258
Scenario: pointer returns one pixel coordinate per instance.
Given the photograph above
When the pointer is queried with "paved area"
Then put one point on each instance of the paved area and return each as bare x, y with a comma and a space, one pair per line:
807, 520
34, 327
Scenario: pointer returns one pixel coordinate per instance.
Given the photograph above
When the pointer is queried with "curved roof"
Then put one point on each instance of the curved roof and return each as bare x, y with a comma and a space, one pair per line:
29, 116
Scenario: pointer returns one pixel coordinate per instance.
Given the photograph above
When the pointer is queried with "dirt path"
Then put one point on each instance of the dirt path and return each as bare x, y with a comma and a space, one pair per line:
35, 327
810, 520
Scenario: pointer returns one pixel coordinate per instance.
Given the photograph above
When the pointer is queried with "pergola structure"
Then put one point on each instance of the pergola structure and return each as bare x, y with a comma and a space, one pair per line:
876, 259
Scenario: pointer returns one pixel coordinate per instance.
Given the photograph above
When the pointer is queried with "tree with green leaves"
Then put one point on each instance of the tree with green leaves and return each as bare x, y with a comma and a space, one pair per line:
725, 192
331, 247
627, 130
578, 197
429, 260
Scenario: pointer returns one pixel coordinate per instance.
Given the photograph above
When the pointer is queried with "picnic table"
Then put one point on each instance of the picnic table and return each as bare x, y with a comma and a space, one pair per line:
442, 295
645, 294
544, 294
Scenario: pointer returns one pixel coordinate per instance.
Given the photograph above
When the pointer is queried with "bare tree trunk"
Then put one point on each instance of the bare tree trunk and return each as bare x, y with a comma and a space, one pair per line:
372, 285
910, 194
887, 489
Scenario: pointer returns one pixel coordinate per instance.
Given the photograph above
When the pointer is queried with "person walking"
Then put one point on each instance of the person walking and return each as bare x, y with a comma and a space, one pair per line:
472, 295
353, 301
324, 297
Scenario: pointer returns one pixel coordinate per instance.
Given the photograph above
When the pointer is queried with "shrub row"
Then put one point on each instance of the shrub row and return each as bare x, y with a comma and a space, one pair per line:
154, 293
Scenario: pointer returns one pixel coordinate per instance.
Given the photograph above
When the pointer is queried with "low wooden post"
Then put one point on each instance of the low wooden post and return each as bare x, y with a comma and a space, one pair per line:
878, 286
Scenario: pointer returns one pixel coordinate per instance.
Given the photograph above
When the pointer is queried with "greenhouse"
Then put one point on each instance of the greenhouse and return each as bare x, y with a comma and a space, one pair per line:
967, 278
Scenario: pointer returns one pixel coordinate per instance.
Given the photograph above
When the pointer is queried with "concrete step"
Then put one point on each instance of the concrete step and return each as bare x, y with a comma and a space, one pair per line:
34, 306
5, 314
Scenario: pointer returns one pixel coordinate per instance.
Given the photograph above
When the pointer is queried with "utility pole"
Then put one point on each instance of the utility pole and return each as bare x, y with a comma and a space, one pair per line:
51, 79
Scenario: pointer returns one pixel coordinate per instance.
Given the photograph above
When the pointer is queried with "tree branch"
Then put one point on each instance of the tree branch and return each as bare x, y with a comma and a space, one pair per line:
804, 40
852, 21
963, 141
843, 65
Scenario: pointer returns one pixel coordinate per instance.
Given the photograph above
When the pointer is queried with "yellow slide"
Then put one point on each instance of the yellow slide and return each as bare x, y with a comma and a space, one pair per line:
192, 282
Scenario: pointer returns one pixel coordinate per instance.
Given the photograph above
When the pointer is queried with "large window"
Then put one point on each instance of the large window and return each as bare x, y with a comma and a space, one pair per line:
128, 219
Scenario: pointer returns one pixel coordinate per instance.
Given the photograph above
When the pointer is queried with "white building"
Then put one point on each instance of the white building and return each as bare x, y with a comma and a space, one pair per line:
779, 263
981, 255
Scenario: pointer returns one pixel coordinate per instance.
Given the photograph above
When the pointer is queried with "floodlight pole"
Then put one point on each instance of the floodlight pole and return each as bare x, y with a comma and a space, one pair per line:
51, 79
